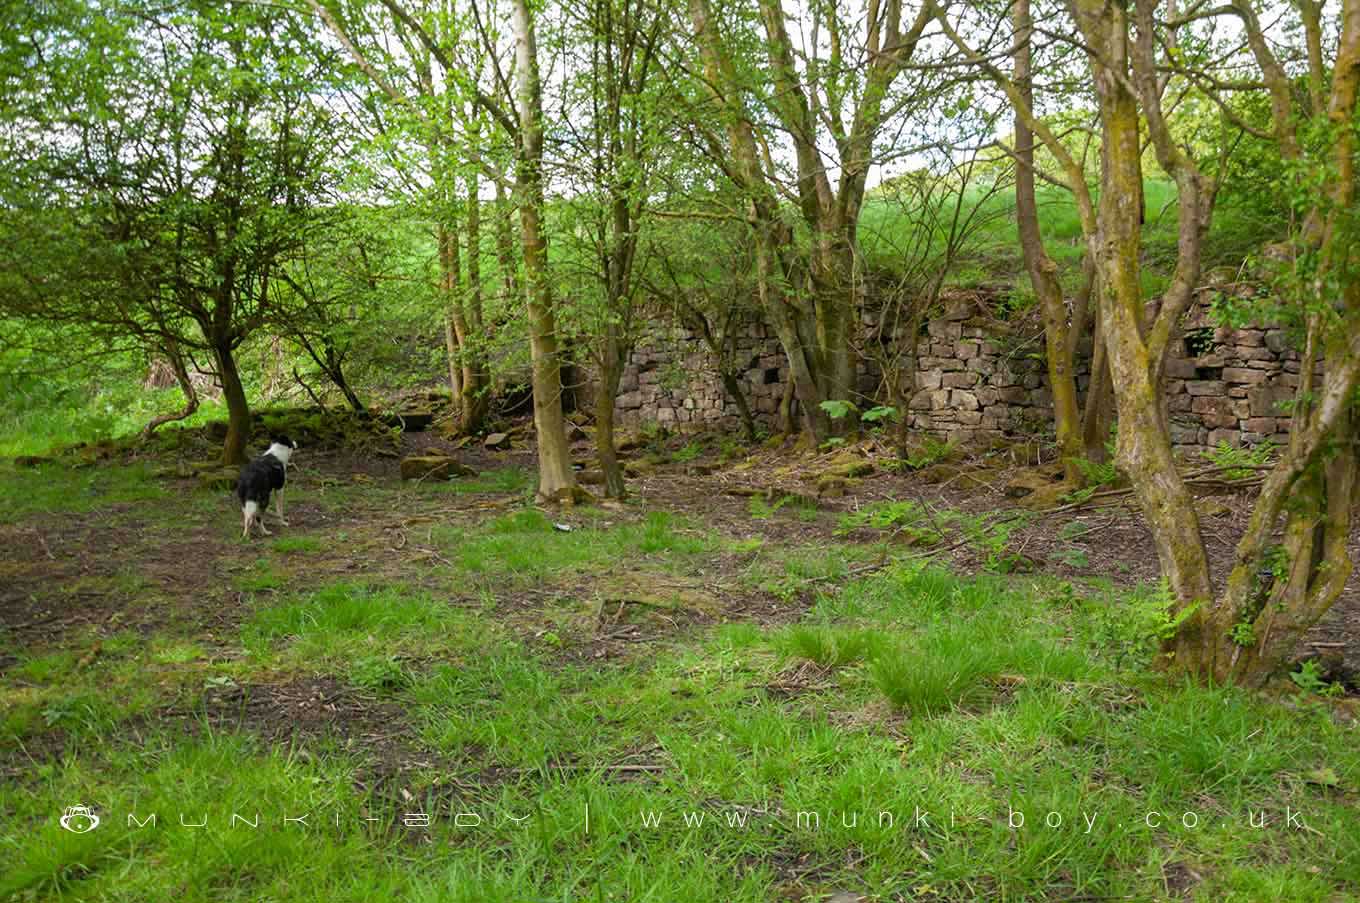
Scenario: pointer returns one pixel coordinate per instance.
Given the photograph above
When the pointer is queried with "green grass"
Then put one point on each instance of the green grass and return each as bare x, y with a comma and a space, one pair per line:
296, 544
831, 647
971, 702
887, 232
525, 545
44, 414
59, 488
342, 621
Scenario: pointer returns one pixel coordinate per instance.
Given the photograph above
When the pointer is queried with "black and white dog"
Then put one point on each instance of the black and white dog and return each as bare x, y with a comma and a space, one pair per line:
258, 479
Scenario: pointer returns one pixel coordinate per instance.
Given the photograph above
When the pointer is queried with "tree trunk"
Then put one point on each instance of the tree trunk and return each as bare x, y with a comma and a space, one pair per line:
455, 372
1144, 441
1043, 272
238, 409
1318, 564
732, 385
1098, 415
556, 479
505, 247
770, 236
785, 320
476, 396
448, 290
837, 316
186, 386
336, 371
786, 402
611, 369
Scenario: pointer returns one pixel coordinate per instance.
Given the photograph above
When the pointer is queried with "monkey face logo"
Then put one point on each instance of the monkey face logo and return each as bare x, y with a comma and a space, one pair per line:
79, 819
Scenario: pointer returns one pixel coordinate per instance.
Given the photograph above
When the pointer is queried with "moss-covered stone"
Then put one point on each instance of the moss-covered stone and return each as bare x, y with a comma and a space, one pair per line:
848, 465
433, 467
218, 478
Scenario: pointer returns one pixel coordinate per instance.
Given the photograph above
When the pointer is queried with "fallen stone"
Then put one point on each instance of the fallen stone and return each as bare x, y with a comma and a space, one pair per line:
433, 467
939, 473
831, 487
1048, 496
639, 466
848, 464
499, 441
1027, 482
219, 477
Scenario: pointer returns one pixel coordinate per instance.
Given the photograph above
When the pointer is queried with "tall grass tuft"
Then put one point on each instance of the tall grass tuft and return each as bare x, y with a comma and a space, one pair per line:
943, 671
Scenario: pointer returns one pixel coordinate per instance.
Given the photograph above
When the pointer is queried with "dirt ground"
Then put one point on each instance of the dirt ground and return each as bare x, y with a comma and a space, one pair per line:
1115, 541
116, 568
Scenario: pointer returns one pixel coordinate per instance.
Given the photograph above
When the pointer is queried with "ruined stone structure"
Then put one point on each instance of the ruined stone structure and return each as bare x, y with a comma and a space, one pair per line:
978, 379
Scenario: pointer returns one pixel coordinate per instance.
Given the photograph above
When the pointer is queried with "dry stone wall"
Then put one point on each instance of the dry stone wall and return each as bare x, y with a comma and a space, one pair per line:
977, 380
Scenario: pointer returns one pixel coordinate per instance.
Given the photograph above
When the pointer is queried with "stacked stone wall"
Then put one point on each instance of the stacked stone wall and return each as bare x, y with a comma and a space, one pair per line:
977, 379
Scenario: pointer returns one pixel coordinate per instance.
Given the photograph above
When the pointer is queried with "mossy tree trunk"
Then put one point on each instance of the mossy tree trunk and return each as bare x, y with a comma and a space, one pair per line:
1043, 272
606, 392
814, 306
555, 475
449, 277
1245, 629
238, 407
175, 358
476, 398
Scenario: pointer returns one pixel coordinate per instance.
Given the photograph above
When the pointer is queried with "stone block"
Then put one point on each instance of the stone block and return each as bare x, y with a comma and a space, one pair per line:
963, 400
1243, 375
1182, 432
1264, 401
1263, 425
961, 380
433, 467
1276, 341
1180, 368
